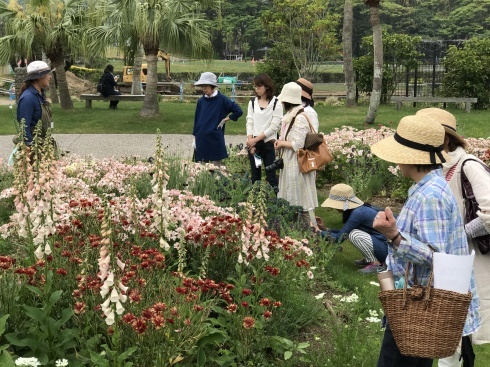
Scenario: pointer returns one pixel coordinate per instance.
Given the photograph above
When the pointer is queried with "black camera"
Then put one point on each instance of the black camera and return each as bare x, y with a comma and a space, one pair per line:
277, 164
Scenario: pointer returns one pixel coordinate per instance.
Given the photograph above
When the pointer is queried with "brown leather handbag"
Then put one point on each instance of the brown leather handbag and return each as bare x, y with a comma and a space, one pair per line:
313, 156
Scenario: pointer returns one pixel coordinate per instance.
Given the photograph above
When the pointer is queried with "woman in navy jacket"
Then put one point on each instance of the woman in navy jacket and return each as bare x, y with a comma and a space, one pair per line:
109, 83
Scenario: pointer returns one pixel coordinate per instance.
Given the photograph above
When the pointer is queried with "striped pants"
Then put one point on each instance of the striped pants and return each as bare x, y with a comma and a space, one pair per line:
364, 243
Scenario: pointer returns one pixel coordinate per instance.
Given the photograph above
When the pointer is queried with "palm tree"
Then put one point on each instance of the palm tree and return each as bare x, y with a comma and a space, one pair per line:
54, 26
378, 60
347, 43
172, 25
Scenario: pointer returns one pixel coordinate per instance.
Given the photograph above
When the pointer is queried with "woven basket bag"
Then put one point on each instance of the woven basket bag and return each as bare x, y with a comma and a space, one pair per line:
426, 322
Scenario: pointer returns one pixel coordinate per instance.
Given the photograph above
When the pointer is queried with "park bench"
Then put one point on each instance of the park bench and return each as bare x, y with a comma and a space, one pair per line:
467, 101
88, 98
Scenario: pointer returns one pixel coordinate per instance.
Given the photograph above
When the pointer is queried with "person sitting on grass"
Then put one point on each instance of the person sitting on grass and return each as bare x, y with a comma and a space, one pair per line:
358, 220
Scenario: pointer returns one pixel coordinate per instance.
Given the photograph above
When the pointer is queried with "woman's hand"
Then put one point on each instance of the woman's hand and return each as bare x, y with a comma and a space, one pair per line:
278, 144
251, 142
385, 223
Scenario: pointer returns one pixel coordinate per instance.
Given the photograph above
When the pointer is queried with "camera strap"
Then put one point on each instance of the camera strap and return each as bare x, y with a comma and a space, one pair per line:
290, 126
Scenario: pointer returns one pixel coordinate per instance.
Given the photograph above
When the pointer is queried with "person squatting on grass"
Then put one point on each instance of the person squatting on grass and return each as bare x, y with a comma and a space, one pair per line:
264, 115
308, 102
479, 179
212, 112
33, 105
358, 220
429, 219
109, 84
295, 187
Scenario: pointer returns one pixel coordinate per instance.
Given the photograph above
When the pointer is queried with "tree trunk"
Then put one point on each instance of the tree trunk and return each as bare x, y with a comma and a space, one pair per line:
378, 65
53, 93
65, 99
136, 88
150, 104
348, 66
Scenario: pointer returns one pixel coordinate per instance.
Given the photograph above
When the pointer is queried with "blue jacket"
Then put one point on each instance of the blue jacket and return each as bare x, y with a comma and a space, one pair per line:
360, 218
29, 108
210, 141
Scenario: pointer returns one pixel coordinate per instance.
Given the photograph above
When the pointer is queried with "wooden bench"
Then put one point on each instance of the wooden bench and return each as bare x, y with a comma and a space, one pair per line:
88, 98
467, 101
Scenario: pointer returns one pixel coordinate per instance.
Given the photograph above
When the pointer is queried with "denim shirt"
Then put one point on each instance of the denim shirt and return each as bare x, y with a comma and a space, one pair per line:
431, 217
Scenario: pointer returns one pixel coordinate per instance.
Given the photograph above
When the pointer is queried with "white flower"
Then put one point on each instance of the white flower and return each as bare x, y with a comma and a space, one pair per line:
61, 363
120, 264
114, 295
119, 308
27, 362
374, 283
310, 274
319, 296
47, 249
122, 287
109, 320
39, 253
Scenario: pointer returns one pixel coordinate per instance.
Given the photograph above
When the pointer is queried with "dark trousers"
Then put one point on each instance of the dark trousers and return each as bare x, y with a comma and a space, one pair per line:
390, 355
267, 153
112, 104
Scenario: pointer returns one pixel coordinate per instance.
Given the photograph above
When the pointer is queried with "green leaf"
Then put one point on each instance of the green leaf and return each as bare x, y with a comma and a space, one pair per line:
303, 345
26, 342
66, 315
287, 355
6, 360
54, 298
98, 360
201, 357
3, 321
126, 354
34, 313
34, 290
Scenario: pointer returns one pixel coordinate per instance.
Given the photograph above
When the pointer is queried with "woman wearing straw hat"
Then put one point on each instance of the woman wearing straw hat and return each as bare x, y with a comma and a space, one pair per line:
358, 220
294, 186
213, 110
308, 102
479, 179
33, 105
429, 219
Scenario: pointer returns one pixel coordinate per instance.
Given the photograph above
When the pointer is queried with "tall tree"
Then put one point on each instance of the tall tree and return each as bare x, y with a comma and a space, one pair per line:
52, 26
173, 25
378, 60
348, 64
306, 30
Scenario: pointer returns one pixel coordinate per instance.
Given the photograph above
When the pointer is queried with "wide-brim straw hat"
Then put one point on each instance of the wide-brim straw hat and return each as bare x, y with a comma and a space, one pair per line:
418, 140
207, 78
446, 119
306, 88
342, 197
291, 93
37, 69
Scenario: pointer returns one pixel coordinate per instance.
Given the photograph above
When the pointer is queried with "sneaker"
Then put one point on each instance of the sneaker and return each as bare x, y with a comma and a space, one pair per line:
373, 268
362, 262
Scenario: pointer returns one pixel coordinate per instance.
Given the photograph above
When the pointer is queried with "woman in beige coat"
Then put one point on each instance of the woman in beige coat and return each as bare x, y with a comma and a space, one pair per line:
294, 186
479, 178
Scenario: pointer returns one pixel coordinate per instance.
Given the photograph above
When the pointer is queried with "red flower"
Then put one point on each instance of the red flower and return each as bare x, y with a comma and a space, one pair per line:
149, 313
128, 318
159, 306
232, 308
265, 302
198, 308
245, 304
79, 308
158, 321
134, 296
246, 292
187, 322
248, 322
61, 271
277, 304
139, 325
267, 314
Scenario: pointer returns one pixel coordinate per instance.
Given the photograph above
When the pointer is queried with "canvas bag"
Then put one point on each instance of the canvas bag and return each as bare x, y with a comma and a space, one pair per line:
472, 207
312, 159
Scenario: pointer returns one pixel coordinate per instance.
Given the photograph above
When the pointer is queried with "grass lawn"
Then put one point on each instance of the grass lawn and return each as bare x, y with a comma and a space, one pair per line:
226, 67
178, 118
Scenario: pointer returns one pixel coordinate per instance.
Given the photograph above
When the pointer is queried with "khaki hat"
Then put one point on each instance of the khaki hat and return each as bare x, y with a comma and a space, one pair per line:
306, 87
37, 69
418, 140
207, 78
446, 119
342, 197
291, 93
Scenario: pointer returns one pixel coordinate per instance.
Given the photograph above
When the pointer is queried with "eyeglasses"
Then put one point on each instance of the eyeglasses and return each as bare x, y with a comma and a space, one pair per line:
257, 86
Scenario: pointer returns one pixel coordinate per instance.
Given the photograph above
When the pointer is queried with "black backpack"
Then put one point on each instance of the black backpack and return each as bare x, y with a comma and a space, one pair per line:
100, 85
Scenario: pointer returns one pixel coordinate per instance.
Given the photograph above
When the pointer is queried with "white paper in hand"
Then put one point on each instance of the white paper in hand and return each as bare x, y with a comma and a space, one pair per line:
453, 272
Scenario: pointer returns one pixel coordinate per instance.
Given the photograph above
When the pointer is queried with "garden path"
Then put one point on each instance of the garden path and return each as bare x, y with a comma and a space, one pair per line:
120, 145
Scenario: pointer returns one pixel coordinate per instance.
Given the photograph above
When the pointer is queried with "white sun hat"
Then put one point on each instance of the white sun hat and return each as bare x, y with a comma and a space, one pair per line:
207, 78
37, 69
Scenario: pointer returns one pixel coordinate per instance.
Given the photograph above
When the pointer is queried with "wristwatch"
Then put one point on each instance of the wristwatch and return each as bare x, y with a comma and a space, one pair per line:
390, 241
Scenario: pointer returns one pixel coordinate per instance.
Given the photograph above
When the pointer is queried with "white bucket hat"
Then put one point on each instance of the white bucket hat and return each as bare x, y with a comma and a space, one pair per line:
37, 69
207, 78
291, 93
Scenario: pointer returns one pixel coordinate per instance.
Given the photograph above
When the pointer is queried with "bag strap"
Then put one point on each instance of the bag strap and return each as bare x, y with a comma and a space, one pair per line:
289, 128
273, 107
